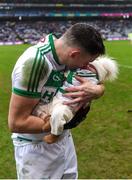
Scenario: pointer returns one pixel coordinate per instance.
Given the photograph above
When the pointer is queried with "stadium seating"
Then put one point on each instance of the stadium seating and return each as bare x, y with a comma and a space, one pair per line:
113, 18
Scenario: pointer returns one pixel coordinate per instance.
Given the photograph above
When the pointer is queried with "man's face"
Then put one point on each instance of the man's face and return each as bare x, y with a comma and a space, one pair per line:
80, 60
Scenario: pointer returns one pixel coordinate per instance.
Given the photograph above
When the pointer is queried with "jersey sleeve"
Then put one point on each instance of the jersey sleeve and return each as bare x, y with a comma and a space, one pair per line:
29, 74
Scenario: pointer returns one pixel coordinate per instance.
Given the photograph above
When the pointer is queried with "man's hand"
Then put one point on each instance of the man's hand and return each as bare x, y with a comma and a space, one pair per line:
84, 92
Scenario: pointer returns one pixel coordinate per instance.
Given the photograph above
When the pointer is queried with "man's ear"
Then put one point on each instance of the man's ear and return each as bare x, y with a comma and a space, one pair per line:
74, 53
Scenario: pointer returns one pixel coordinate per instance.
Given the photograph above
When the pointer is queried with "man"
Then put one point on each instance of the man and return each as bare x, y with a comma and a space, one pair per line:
37, 75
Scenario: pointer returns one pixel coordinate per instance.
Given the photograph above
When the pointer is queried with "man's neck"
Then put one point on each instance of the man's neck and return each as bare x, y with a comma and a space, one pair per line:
61, 50
58, 48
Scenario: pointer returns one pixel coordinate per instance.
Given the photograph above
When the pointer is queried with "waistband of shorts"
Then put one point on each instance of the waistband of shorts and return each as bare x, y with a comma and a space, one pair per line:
20, 138
27, 139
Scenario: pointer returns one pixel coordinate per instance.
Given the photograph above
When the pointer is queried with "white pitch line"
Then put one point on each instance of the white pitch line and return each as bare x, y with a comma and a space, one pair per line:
125, 66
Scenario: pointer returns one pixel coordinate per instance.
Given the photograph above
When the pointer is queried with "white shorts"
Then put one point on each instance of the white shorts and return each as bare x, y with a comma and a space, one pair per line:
39, 160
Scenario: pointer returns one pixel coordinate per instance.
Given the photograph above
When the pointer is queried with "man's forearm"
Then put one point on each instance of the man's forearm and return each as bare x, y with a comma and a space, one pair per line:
32, 124
20, 117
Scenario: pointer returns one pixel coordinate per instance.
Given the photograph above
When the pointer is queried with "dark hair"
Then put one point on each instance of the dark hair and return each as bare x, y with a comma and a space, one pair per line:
87, 37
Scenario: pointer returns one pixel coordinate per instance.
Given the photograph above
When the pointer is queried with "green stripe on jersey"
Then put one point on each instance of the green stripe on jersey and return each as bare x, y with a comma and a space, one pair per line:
70, 76
53, 49
32, 72
42, 72
44, 49
26, 93
38, 68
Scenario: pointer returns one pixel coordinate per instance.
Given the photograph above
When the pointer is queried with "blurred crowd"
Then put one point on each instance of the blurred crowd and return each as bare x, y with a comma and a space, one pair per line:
31, 32
51, 1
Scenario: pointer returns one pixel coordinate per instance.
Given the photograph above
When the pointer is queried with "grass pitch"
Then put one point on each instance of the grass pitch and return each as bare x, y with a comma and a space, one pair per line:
103, 141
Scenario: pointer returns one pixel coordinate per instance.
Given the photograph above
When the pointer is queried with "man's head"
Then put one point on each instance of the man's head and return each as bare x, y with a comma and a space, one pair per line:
81, 45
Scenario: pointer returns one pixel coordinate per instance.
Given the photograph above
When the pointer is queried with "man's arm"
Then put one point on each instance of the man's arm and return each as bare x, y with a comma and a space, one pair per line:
20, 119
85, 92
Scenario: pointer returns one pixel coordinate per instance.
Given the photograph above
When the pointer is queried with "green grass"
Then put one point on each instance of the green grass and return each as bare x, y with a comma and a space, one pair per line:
103, 141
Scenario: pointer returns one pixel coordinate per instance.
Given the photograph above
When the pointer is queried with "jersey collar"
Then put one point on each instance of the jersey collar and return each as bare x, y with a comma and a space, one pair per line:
53, 48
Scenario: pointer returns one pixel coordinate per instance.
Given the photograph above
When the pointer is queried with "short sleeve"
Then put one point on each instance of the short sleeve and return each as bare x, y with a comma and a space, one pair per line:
29, 73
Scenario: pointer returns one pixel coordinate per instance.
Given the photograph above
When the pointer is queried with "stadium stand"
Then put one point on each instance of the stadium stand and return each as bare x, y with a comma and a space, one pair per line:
26, 21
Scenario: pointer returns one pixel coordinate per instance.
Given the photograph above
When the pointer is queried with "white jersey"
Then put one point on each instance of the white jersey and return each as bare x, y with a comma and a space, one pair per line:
38, 74
72, 81
60, 113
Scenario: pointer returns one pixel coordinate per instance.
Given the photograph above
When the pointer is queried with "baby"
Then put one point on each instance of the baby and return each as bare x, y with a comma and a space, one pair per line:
98, 71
